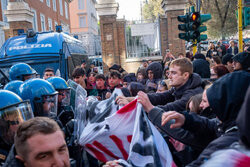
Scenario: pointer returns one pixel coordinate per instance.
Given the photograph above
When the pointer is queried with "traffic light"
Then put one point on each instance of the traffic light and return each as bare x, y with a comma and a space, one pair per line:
193, 26
184, 27
246, 16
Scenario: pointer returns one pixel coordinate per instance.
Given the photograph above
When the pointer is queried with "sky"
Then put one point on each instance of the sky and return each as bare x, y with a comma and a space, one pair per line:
130, 9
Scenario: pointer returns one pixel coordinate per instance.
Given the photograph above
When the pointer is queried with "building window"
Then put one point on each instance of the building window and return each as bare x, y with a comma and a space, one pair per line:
41, 0
61, 7
54, 5
50, 24
34, 20
43, 25
56, 24
82, 21
66, 10
81, 4
48, 3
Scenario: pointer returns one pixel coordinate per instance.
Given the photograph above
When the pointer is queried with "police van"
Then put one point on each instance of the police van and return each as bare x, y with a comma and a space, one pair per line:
42, 50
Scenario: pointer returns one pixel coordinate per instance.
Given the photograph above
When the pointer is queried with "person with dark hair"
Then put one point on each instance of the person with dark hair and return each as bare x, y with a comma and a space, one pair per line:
141, 76
225, 97
135, 87
79, 76
241, 61
127, 79
201, 66
83, 64
92, 68
101, 87
48, 72
39, 142
193, 104
228, 61
163, 85
154, 73
221, 49
217, 60
211, 51
114, 80
218, 71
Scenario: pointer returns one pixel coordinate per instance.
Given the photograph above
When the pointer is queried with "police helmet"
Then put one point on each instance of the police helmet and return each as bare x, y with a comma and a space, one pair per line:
42, 95
20, 70
63, 90
13, 86
13, 111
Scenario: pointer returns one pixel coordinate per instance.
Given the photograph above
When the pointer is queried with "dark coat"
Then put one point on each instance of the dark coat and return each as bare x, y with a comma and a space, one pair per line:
230, 50
225, 97
156, 68
202, 68
11, 161
176, 99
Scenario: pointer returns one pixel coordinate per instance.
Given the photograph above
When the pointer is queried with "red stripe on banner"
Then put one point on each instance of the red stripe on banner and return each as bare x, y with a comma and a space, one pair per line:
173, 164
243, 161
104, 149
129, 138
119, 144
127, 108
97, 153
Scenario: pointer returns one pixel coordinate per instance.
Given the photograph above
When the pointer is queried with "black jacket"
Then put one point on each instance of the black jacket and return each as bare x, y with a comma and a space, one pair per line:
230, 50
202, 68
176, 99
225, 97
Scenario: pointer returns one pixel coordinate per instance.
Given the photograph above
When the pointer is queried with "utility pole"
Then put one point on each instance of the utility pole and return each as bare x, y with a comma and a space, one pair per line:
240, 25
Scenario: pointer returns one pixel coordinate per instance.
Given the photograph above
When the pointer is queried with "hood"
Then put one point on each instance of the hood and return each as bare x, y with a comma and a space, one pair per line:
243, 120
115, 67
156, 68
130, 78
244, 59
226, 95
199, 56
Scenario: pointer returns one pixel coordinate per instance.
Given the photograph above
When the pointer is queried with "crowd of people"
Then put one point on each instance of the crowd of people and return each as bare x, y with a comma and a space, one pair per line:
196, 102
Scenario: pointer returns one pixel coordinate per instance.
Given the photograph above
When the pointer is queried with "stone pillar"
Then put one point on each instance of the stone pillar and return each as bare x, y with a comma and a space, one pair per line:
172, 9
107, 11
19, 17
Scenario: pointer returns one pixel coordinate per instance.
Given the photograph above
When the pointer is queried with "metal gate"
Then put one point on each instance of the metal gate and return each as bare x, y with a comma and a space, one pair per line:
142, 39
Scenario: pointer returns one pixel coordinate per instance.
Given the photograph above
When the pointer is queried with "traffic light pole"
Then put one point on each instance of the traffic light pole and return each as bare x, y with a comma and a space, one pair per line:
240, 25
194, 47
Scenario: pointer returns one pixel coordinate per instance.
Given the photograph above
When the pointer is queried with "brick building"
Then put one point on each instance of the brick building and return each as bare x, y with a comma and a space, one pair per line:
41, 15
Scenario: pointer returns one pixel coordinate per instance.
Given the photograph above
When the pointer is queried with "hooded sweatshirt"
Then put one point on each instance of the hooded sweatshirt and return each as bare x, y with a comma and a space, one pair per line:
156, 68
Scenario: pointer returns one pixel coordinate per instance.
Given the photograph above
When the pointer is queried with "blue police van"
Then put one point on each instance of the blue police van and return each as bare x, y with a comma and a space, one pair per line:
42, 50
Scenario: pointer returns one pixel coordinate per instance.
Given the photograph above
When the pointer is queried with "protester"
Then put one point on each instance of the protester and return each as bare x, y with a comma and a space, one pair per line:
193, 104
228, 61
218, 71
154, 73
241, 61
221, 49
48, 72
184, 84
141, 76
114, 80
83, 64
128, 79
201, 66
101, 87
163, 86
79, 76
232, 48
39, 142
211, 51
225, 97
238, 153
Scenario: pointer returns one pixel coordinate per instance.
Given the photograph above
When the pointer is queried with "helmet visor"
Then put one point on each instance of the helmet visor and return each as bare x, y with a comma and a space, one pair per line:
49, 104
11, 117
64, 97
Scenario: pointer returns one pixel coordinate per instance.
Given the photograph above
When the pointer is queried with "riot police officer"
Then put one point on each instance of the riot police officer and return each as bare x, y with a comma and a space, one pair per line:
65, 112
13, 86
13, 111
21, 71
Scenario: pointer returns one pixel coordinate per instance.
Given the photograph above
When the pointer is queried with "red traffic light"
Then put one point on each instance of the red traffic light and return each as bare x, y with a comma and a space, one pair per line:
195, 16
